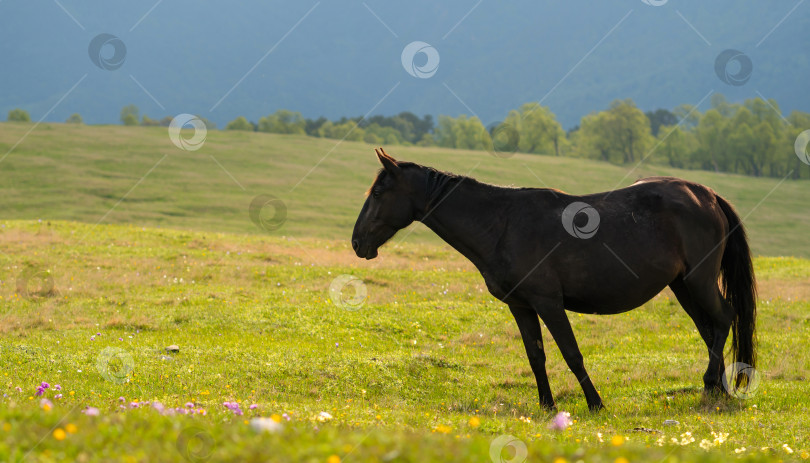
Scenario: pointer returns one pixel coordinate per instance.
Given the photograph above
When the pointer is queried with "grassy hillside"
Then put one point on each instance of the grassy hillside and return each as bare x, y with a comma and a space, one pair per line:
74, 172
428, 368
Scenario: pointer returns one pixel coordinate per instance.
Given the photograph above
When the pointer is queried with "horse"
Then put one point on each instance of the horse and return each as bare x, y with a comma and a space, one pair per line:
542, 252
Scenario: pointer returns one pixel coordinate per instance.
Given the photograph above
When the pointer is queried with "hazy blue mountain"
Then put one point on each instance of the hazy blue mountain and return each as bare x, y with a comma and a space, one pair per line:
340, 60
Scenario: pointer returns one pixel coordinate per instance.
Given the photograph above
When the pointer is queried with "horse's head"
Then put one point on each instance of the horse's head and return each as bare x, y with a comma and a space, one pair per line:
392, 204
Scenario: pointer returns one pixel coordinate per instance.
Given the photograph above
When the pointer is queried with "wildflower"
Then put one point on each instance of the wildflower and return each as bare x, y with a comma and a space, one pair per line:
324, 417
621, 460
46, 404
265, 425
90, 411
71, 428
253, 406
333, 459
787, 449
474, 422
739, 450
285, 416
442, 428
189, 405
57, 396
134, 405
57, 387
561, 421
159, 407
59, 434
705, 444
41, 388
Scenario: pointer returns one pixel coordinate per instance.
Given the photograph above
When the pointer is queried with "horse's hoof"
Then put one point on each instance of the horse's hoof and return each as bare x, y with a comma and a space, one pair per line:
596, 408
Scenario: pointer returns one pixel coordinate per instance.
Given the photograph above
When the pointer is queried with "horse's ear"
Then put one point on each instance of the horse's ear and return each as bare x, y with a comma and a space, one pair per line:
389, 163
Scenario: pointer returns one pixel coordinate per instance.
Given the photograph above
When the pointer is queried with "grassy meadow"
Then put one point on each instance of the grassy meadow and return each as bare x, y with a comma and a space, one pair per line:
405, 358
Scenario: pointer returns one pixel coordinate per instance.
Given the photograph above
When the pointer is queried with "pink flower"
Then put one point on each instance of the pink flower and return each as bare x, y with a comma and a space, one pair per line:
189, 405
90, 411
253, 406
561, 421
57, 387
57, 396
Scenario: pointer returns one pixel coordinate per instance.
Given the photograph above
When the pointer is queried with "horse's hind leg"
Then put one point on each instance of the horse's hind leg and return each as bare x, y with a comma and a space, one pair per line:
560, 328
701, 320
706, 298
529, 326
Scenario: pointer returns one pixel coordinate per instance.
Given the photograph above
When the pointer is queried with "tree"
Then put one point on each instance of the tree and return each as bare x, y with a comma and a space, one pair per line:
129, 115
240, 123
75, 118
147, 121
283, 121
19, 115
660, 117
538, 129
461, 132
676, 145
346, 130
620, 134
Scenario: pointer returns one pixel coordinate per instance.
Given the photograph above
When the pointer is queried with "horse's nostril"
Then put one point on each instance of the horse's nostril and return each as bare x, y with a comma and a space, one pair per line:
355, 244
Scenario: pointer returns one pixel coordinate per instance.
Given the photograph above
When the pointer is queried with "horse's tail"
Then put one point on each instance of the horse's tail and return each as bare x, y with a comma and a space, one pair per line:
739, 289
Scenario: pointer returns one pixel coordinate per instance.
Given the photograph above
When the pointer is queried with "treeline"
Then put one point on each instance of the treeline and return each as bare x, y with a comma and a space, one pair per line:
750, 138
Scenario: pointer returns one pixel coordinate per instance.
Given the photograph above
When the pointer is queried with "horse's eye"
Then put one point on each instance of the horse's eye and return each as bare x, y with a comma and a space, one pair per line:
375, 193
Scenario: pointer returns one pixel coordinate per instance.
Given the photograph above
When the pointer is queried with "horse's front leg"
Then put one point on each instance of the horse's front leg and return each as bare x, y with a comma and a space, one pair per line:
553, 315
529, 326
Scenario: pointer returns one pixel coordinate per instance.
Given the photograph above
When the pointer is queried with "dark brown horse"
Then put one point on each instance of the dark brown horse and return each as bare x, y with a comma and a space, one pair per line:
542, 251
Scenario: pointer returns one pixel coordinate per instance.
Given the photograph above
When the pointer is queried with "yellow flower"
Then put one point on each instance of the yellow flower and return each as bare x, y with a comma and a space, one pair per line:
71, 428
442, 428
560, 460
59, 434
7, 427
475, 422
621, 460
617, 440
333, 459
275, 417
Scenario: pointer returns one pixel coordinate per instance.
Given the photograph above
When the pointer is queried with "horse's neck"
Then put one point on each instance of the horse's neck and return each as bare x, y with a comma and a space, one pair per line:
467, 218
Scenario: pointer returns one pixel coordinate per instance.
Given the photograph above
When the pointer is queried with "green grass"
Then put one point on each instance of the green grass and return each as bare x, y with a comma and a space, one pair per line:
76, 172
403, 375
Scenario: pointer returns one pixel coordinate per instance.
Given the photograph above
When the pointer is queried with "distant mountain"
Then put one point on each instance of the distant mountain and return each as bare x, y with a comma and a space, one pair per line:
221, 60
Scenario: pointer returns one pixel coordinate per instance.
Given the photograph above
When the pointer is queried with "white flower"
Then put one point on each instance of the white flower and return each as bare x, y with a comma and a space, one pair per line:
324, 417
265, 425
